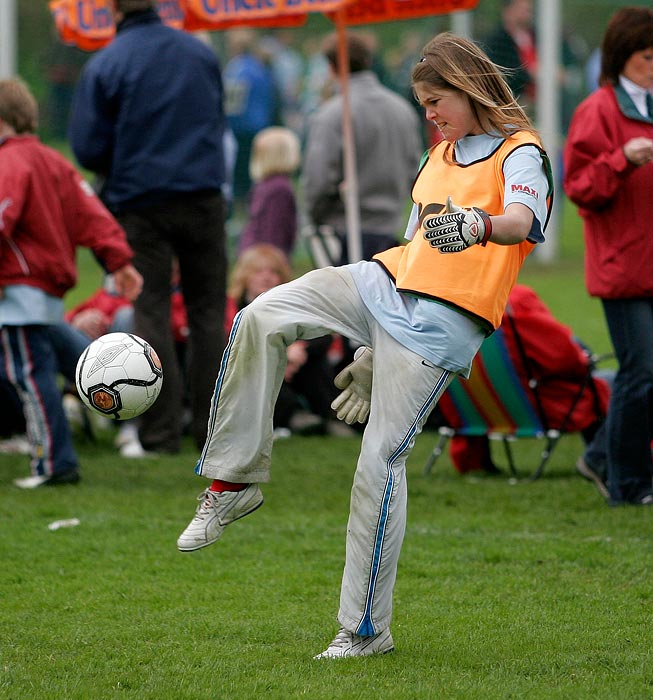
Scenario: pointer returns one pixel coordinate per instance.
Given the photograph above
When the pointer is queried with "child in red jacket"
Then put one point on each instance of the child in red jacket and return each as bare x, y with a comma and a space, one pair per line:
106, 311
46, 211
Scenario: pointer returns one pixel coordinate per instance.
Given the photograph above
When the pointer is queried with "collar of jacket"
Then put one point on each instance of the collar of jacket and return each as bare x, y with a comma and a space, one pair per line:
138, 17
627, 106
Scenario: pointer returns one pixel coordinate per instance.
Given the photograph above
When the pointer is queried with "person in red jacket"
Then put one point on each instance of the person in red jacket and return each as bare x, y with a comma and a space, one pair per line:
608, 174
557, 360
103, 312
46, 211
106, 311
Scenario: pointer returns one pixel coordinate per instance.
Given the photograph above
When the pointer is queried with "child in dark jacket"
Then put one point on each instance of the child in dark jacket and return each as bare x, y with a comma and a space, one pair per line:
46, 211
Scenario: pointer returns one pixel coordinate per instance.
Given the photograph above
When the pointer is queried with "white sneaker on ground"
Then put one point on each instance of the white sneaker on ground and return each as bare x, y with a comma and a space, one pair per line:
215, 512
35, 481
281, 434
15, 445
74, 410
133, 450
336, 428
347, 643
304, 422
127, 432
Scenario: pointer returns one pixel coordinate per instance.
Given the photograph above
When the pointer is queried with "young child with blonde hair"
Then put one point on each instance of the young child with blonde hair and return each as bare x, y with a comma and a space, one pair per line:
273, 204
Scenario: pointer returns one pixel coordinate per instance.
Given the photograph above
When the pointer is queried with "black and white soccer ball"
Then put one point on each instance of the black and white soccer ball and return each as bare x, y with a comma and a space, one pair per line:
119, 376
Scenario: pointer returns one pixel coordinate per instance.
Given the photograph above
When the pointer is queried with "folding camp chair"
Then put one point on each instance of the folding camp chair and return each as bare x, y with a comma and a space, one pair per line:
323, 244
495, 402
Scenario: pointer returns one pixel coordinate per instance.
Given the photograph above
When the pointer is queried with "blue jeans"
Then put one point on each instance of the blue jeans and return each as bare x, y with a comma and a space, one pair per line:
628, 429
30, 363
68, 344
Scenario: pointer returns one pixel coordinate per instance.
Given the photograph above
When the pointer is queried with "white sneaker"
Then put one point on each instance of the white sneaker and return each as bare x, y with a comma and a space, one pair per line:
336, 428
36, 481
133, 449
74, 410
128, 432
15, 445
281, 434
215, 512
347, 643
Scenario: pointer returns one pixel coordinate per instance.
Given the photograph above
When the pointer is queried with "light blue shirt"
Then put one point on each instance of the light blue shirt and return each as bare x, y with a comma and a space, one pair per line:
23, 305
434, 331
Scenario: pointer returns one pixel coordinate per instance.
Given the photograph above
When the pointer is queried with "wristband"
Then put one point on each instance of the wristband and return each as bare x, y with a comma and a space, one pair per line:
487, 222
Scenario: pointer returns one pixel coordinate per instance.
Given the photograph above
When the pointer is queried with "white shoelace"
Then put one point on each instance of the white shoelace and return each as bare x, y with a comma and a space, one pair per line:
208, 502
343, 638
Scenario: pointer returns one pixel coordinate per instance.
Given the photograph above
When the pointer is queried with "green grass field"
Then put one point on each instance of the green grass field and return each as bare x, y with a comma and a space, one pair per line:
527, 590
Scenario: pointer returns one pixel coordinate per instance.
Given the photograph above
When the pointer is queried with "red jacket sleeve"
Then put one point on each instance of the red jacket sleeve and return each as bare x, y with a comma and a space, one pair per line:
230, 311
103, 301
92, 226
594, 162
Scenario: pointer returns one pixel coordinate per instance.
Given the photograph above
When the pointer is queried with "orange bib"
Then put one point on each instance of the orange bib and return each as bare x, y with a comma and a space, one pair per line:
478, 279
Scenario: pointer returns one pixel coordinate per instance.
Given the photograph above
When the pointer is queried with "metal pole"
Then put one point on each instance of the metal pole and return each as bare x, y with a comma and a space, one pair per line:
352, 207
547, 105
461, 23
8, 34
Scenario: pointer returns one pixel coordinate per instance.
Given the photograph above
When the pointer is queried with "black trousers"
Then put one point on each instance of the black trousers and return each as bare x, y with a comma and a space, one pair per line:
188, 227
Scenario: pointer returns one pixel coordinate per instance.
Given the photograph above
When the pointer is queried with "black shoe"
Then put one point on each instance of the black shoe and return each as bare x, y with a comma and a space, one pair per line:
34, 482
159, 449
646, 500
491, 469
588, 473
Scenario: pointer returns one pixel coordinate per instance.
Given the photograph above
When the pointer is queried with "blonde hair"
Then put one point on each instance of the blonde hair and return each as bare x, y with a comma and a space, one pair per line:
18, 107
452, 62
275, 151
250, 259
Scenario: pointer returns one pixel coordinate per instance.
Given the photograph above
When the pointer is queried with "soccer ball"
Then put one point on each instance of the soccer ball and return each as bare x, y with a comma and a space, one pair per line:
119, 375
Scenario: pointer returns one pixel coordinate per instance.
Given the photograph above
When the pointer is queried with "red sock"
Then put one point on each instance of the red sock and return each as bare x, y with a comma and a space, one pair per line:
219, 485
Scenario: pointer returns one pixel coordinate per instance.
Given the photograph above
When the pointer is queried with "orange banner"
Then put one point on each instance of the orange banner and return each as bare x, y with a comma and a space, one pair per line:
209, 13
371, 11
212, 15
89, 24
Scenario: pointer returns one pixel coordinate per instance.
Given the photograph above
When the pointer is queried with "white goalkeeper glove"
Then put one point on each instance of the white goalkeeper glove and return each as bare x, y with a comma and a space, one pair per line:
456, 228
353, 404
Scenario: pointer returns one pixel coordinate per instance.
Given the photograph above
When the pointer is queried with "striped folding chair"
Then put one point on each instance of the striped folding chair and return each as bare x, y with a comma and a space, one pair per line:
495, 402
323, 244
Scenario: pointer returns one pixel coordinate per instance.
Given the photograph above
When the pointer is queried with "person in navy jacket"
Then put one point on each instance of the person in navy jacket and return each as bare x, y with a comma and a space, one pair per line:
148, 118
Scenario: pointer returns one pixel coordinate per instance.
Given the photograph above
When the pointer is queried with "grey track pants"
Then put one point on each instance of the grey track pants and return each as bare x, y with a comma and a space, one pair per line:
405, 389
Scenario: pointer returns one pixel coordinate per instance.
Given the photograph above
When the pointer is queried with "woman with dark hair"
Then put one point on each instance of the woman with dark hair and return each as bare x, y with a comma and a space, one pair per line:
608, 174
